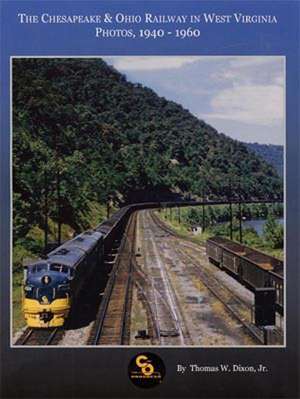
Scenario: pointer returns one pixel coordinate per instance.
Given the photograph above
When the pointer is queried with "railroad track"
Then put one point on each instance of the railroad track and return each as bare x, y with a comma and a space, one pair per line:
239, 308
40, 337
173, 232
113, 319
162, 298
153, 300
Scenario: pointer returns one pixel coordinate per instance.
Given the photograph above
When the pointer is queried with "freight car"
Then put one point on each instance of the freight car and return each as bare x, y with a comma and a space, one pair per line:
250, 267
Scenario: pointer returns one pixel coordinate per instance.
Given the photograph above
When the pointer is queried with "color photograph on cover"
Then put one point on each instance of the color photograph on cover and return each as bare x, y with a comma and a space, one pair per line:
148, 201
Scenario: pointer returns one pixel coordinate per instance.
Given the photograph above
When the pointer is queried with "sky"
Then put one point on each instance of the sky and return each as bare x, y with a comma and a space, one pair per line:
243, 97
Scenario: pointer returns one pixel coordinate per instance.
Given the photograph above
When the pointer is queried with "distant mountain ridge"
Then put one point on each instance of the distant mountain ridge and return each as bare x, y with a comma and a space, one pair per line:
273, 154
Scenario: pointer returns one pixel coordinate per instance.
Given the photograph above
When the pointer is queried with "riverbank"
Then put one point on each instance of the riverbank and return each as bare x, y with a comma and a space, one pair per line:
249, 235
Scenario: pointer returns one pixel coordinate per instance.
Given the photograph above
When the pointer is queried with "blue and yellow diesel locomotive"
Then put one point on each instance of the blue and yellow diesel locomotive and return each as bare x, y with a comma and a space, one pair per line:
52, 284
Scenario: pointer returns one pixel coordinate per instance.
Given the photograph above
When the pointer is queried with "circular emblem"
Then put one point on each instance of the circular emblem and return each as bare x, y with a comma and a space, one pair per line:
46, 280
146, 370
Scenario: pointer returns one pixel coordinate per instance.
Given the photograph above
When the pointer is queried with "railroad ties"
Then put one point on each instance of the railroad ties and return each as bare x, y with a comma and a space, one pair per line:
40, 337
112, 324
166, 322
154, 283
235, 305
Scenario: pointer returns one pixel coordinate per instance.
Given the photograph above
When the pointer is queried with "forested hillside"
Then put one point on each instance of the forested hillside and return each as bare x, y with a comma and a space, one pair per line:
85, 134
273, 154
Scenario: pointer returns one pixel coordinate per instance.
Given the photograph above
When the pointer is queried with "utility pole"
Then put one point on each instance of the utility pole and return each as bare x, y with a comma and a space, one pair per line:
46, 212
230, 210
231, 175
108, 209
230, 206
58, 207
57, 186
203, 211
240, 221
240, 214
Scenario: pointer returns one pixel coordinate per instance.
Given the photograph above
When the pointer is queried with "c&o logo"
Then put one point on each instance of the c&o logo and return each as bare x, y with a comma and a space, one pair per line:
146, 370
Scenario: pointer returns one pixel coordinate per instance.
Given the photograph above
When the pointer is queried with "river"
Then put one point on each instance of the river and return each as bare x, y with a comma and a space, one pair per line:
258, 224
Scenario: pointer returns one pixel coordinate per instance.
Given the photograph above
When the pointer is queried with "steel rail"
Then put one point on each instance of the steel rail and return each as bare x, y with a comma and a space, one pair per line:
251, 329
37, 337
103, 309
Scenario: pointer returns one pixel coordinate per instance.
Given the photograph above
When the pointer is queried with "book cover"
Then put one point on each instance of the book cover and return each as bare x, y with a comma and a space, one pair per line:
149, 199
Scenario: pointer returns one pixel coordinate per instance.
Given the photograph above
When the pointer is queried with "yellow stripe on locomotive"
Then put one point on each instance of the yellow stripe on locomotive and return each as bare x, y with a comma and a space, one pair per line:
46, 297
43, 315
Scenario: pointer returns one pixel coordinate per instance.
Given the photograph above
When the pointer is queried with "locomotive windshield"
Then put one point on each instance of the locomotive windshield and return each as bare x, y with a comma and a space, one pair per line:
58, 268
39, 268
52, 282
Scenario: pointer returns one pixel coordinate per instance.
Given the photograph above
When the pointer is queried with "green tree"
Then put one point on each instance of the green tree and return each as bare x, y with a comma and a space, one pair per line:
111, 139
273, 232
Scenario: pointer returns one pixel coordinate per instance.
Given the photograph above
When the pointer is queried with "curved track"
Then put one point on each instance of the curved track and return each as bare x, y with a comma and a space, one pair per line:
240, 308
202, 315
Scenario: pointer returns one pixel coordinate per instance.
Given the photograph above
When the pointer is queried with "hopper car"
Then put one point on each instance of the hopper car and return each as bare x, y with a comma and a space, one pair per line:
250, 267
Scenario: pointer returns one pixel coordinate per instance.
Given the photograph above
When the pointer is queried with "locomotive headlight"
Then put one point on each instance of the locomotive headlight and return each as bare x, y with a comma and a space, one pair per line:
28, 288
64, 286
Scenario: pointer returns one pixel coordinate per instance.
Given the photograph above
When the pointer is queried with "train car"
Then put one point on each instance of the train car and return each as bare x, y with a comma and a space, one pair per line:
214, 250
113, 227
255, 267
277, 281
261, 270
52, 284
91, 244
252, 268
232, 253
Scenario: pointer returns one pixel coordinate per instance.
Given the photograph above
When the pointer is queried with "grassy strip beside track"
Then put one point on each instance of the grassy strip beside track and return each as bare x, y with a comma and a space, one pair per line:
183, 229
